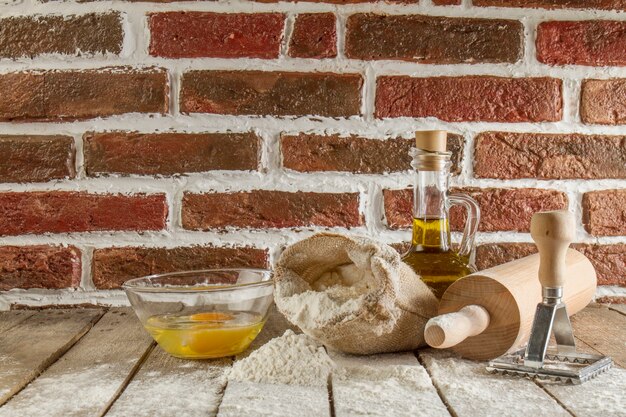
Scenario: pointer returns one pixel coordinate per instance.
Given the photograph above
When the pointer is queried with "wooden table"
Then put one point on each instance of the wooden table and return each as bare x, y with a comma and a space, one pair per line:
95, 362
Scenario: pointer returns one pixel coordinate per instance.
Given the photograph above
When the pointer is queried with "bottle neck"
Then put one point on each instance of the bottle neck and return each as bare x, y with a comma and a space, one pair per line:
431, 228
430, 192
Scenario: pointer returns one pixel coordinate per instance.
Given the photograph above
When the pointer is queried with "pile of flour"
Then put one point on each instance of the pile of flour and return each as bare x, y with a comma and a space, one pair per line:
293, 359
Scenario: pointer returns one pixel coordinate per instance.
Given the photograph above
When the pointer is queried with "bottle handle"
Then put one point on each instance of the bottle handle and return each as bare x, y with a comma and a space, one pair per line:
471, 223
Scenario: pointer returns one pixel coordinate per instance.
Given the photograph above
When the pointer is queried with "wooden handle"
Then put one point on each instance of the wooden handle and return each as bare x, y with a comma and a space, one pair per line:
451, 329
552, 232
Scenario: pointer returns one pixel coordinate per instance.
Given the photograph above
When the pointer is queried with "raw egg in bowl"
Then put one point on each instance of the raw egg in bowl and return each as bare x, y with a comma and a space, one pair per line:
203, 314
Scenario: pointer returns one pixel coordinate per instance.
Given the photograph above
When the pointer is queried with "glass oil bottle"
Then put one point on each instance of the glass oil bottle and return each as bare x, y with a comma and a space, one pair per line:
431, 255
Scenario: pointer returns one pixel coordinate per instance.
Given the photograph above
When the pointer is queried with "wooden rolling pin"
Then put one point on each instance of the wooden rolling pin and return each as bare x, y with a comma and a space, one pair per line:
490, 313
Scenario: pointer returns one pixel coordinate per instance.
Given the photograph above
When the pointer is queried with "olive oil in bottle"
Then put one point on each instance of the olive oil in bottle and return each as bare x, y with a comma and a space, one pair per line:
438, 267
431, 255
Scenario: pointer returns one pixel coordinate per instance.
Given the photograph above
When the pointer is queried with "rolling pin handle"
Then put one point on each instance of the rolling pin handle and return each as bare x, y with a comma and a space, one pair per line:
450, 329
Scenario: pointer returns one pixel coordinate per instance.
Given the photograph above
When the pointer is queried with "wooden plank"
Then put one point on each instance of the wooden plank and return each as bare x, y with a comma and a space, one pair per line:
469, 390
168, 386
10, 319
258, 399
620, 308
604, 330
269, 400
26, 350
89, 376
384, 385
603, 396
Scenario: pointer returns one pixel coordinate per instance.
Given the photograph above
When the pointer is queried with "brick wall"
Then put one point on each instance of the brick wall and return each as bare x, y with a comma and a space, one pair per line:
143, 137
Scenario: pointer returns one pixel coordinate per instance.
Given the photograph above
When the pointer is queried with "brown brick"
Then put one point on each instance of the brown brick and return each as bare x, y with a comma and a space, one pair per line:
401, 247
502, 209
113, 266
471, 98
219, 35
446, 2
35, 158
79, 35
39, 266
312, 152
339, 2
604, 212
61, 212
270, 209
494, 254
607, 299
507, 155
169, 153
603, 102
314, 36
66, 304
608, 260
556, 4
591, 42
271, 93
72, 95
433, 39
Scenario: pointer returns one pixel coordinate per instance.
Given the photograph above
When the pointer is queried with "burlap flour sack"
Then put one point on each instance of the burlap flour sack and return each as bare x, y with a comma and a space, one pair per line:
353, 294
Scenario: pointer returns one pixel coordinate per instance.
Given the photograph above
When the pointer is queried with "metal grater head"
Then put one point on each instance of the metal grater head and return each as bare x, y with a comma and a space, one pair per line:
570, 368
563, 364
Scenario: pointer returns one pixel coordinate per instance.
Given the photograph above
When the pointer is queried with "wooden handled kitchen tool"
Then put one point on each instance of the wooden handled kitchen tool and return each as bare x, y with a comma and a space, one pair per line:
490, 313
552, 231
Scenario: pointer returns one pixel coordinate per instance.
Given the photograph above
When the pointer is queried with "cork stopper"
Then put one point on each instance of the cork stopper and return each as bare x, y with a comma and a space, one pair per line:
431, 140
430, 151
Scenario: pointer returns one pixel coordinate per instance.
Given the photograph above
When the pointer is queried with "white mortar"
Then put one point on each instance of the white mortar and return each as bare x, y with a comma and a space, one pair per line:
271, 175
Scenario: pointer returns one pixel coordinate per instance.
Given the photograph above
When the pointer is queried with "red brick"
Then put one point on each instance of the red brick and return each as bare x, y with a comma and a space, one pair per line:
34, 158
73, 95
271, 93
270, 209
556, 4
494, 254
79, 35
471, 98
374, 36
312, 152
113, 266
314, 36
608, 260
507, 155
39, 266
169, 153
604, 212
61, 212
502, 209
217, 35
603, 101
591, 42
446, 2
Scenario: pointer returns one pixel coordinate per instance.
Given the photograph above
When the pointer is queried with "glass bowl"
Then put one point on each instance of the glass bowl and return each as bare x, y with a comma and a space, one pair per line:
203, 314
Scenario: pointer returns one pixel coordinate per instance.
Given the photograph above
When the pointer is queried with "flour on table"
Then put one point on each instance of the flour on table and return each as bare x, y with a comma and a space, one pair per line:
293, 359
384, 385
461, 381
